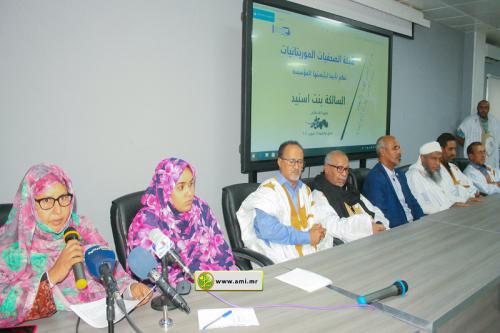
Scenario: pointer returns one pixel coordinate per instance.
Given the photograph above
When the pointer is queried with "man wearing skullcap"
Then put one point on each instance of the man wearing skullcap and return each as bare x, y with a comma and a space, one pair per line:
424, 180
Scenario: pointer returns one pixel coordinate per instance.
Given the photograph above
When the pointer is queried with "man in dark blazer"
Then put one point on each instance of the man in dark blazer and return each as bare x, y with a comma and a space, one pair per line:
387, 188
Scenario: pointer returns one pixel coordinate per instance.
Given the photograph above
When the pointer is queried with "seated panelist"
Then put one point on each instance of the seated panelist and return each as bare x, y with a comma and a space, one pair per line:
342, 210
170, 204
277, 219
36, 276
452, 178
424, 179
387, 188
485, 177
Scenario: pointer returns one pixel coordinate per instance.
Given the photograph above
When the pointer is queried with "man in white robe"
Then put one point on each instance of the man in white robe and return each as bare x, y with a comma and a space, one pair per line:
424, 178
485, 177
277, 219
484, 128
452, 177
341, 209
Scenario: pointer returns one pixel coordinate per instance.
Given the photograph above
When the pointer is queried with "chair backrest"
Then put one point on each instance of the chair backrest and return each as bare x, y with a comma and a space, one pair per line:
4, 213
310, 181
360, 176
351, 179
461, 163
404, 168
232, 197
123, 211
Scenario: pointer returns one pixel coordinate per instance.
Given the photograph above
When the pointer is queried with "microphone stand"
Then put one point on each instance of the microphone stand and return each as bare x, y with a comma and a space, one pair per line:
165, 322
160, 301
109, 282
164, 267
110, 310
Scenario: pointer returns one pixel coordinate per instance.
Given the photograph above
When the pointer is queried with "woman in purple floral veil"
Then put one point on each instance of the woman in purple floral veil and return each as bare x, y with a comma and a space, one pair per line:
170, 204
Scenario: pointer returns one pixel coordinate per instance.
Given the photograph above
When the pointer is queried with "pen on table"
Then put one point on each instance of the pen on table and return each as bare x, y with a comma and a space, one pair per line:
224, 315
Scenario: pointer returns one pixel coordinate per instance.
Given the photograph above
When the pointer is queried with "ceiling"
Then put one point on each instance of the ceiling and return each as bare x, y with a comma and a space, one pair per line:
463, 15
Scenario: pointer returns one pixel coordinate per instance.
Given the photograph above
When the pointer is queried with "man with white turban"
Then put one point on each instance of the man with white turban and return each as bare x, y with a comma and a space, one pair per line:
424, 179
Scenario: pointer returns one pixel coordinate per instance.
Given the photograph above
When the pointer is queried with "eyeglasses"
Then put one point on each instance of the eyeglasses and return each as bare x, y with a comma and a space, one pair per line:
339, 168
49, 202
293, 162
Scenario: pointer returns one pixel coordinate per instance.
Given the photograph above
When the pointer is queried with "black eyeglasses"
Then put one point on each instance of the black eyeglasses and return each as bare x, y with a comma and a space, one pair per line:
293, 162
340, 168
49, 202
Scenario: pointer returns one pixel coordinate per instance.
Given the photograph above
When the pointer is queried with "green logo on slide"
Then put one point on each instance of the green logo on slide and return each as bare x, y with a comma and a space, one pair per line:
318, 123
206, 281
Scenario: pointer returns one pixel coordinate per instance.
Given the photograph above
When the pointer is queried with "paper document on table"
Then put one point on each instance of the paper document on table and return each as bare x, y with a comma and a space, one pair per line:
94, 313
305, 280
214, 318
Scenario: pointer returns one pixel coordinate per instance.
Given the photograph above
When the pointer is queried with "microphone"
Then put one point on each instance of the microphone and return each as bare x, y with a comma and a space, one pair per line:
400, 287
143, 265
162, 245
80, 280
100, 261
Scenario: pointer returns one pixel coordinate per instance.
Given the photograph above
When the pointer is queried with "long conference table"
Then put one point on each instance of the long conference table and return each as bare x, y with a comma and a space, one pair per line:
451, 261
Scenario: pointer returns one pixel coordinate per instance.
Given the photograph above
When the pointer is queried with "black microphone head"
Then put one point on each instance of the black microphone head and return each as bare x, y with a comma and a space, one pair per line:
71, 233
402, 287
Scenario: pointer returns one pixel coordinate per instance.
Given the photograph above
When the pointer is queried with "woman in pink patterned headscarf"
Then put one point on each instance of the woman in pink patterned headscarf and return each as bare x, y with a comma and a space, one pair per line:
171, 205
36, 277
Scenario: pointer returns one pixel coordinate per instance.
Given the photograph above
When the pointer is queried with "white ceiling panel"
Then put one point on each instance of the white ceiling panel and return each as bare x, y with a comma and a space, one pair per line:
458, 2
443, 12
424, 4
463, 15
491, 19
476, 8
457, 21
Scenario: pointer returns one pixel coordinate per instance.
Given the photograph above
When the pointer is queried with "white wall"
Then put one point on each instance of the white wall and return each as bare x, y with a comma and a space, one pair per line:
106, 89
426, 87
474, 89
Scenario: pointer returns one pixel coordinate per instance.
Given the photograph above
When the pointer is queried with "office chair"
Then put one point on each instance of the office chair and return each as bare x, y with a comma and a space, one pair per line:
360, 176
351, 179
232, 197
404, 168
461, 163
123, 211
309, 182
4, 213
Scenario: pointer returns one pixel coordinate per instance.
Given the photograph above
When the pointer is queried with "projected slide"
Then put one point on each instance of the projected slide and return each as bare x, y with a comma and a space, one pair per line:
315, 80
